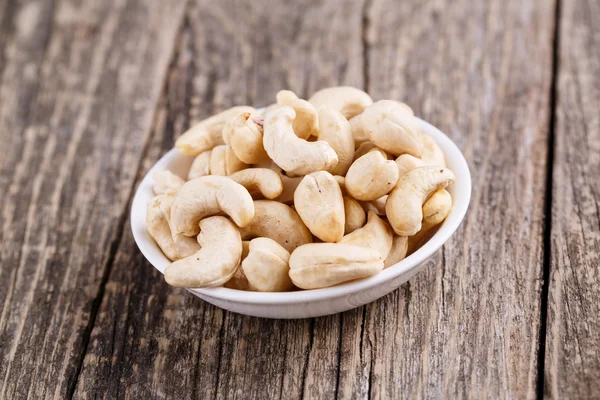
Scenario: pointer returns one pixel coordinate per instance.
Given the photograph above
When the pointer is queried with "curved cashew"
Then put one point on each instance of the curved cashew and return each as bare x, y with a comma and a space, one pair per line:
397, 252
209, 195
157, 222
166, 182
279, 222
217, 260
376, 234
224, 162
358, 130
355, 215
435, 210
266, 266
245, 138
291, 153
393, 128
319, 202
200, 165
207, 133
406, 162
259, 181
335, 130
305, 124
404, 204
432, 153
371, 176
319, 265
347, 100
238, 280
377, 205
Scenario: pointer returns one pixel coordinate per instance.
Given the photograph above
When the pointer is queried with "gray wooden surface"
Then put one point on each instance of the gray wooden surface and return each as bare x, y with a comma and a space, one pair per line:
93, 93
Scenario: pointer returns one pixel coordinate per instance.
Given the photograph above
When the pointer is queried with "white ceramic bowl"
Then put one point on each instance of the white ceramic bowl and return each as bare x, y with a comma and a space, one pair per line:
311, 303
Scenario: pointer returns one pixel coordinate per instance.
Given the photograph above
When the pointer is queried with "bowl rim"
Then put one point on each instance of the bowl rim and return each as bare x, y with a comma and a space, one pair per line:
460, 204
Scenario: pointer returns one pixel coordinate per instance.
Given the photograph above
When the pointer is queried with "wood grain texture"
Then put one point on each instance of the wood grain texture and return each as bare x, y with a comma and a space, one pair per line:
79, 84
572, 367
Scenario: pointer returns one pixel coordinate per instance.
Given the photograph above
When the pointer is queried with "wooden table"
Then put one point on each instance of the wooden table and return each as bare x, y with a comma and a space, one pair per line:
93, 92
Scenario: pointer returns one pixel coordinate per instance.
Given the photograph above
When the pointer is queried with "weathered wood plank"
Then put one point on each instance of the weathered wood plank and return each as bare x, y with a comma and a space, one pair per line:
79, 85
468, 325
175, 345
572, 367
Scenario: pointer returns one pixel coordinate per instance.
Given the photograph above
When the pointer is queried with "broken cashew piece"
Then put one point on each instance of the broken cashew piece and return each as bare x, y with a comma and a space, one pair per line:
435, 211
207, 133
319, 265
305, 124
224, 162
259, 181
371, 176
157, 221
206, 196
392, 128
216, 261
376, 234
355, 215
404, 204
279, 222
397, 252
335, 130
347, 100
245, 137
319, 202
166, 182
200, 165
292, 154
267, 266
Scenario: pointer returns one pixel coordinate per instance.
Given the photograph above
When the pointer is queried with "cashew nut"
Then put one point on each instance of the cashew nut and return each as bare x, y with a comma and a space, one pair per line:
377, 205
342, 182
347, 100
305, 124
392, 128
266, 266
166, 182
363, 149
207, 133
245, 138
238, 280
216, 261
371, 176
355, 215
335, 130
406, 162
358, 130
319, 202
157, 221
200, 165
279, 222
435, 210
224, 162
432, 153
259, 181
407, 107
404, 204
319, 265
206, 196
376, 234
397, 252
291, 153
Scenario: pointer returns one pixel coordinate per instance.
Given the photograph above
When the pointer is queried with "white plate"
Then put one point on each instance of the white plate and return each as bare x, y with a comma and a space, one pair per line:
317, 302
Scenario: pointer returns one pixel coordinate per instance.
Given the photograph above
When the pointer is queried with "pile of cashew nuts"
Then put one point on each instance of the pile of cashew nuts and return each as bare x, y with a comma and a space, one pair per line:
303, 194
